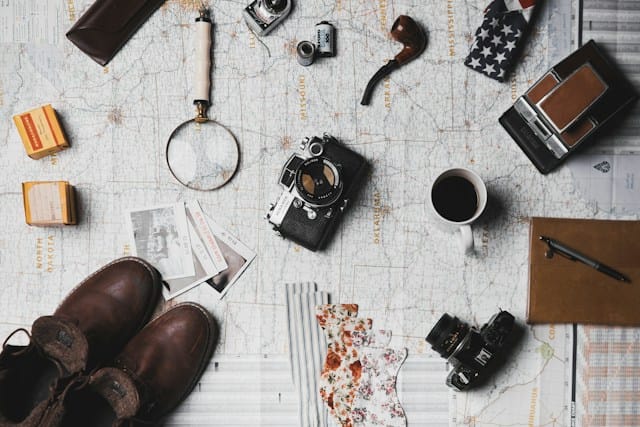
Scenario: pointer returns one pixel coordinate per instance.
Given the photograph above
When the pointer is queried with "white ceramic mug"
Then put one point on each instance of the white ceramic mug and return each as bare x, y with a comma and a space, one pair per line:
463, 226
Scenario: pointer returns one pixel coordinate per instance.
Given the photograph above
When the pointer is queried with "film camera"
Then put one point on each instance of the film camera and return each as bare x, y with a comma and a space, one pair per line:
319, 182
470, 351
262, 16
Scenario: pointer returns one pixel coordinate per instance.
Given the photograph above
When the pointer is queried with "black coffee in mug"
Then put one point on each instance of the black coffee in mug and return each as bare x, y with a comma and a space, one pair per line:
455, 198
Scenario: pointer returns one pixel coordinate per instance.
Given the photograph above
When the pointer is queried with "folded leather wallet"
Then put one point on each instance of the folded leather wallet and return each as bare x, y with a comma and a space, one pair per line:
108, 24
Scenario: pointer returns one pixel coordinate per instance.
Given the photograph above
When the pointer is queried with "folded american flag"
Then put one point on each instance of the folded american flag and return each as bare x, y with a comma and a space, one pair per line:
498, 40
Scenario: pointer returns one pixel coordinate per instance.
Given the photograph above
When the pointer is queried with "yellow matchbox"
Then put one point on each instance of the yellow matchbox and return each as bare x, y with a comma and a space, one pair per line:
40, 132
49, 203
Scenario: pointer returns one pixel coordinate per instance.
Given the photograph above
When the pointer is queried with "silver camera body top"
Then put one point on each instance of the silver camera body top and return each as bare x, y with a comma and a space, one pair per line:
308, 148
263, 16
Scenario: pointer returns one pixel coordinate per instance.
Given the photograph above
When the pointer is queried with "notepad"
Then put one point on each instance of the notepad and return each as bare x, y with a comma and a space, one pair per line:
565, 291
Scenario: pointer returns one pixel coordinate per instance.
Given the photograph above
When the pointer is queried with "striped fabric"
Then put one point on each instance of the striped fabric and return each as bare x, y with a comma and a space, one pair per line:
307, 350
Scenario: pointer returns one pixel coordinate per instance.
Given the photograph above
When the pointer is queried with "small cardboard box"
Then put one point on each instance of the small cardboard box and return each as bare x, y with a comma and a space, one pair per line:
41, 132
49, 203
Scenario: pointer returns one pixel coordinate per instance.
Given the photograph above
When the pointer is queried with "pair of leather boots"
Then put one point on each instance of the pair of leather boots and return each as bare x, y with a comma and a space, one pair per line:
93, 364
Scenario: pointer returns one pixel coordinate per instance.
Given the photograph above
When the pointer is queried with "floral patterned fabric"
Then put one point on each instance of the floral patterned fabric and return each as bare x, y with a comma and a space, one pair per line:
358, 378
376, 402
358, 338
342, 369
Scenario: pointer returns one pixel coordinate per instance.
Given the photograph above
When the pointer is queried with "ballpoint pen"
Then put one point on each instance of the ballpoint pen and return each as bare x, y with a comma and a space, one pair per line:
573, 255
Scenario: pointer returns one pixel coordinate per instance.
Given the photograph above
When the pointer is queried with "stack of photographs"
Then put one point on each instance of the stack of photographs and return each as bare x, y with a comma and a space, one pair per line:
187, 248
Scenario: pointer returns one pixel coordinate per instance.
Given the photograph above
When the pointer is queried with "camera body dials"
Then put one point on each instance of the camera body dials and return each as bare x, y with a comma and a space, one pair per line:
471, 351
319, 182
263, 16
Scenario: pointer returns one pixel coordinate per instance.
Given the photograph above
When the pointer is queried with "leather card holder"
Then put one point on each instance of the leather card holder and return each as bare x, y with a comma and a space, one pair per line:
108, 24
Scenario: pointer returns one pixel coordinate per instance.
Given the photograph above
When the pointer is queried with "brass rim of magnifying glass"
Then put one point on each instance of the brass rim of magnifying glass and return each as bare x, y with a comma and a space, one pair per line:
199, 120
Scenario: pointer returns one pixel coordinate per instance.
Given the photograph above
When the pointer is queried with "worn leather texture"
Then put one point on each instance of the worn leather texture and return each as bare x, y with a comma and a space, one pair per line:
89, 327
167, 358
108, 24
111, 305
565, 291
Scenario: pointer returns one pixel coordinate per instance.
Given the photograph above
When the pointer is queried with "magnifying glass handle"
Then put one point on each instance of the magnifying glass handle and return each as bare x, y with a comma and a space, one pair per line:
202, 85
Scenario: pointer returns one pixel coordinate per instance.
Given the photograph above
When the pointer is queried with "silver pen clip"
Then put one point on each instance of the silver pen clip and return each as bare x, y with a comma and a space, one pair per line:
551, 251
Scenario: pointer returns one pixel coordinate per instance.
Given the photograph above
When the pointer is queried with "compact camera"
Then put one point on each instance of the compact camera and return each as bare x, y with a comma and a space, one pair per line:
264, 15
470, 351
319, 181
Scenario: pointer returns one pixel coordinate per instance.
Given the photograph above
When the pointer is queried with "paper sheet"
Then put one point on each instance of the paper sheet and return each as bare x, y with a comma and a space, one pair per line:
606, 174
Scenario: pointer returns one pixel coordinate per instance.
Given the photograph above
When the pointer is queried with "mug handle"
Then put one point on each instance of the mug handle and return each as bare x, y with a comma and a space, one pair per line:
466, 239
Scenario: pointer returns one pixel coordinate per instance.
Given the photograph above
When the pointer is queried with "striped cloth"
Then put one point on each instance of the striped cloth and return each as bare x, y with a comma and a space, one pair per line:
307, 350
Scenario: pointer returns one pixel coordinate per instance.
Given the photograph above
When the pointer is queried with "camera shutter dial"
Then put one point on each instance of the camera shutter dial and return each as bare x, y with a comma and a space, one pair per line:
316, 149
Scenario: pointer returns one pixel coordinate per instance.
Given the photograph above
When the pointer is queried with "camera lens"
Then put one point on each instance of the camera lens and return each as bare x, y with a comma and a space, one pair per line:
276, 6
447, 334
318, 181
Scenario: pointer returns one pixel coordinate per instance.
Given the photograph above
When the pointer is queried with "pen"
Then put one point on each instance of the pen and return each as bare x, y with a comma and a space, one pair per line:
574, 255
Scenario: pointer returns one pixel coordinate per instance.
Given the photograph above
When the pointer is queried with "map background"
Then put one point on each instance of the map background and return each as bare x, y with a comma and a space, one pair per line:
431, 115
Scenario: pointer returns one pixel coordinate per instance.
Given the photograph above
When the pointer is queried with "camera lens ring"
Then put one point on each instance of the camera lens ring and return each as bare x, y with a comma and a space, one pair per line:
275, 6
318, 182
448, 336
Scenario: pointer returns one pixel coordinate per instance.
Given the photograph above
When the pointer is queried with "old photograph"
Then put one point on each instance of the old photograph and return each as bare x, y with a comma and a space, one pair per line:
160, 236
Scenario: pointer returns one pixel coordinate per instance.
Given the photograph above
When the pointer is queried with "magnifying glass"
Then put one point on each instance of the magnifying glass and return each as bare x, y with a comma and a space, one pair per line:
201, 153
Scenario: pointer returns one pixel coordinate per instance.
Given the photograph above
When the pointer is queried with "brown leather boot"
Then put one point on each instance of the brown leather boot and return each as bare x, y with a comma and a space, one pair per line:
153, 374
90, 326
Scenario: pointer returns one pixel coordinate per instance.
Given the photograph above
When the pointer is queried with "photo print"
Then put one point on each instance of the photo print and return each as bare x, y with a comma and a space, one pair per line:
160, 236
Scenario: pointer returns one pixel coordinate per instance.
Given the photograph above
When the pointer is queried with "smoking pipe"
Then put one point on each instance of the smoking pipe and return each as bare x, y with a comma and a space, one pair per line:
406, 31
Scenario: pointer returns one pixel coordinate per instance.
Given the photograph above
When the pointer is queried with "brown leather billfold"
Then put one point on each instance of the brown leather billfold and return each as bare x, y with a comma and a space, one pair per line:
108, 24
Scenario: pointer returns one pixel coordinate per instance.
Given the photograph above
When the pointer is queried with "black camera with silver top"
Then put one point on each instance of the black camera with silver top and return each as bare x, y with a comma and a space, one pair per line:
263, 16
470, 351
319, 181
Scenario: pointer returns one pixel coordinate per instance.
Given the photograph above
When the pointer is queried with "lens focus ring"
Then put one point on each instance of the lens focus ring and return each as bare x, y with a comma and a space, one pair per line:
447, 335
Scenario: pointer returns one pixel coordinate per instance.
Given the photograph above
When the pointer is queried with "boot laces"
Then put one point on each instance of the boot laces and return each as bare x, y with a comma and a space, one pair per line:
6, 342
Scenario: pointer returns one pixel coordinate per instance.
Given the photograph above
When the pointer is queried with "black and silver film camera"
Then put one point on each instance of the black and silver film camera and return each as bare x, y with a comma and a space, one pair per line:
319, 181
470, 351
262, 16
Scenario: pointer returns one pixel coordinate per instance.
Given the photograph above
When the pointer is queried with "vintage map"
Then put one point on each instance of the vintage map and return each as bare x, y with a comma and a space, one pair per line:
387, 256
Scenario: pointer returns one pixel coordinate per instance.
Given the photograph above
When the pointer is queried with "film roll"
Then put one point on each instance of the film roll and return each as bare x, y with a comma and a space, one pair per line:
306, 52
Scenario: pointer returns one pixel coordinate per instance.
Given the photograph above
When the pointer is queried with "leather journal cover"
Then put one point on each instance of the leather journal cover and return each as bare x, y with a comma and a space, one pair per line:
565, 291
108, 24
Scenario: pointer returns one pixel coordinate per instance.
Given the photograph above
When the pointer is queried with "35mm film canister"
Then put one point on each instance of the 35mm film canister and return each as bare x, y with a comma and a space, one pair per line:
325, 39
306, 53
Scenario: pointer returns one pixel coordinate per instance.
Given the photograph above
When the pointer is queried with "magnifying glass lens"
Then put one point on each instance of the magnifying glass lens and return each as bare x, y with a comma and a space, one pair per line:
202, 156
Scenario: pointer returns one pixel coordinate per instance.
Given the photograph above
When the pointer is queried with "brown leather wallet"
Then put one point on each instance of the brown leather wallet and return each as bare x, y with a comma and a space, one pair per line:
108, 24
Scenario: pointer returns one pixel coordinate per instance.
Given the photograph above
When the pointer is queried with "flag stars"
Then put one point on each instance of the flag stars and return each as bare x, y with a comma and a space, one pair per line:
484, 33
506, 30
510, 45
500, 57
497, 40
474, 46
488, 69
494, 23
486, 52
518, 34
501, 73
475, 63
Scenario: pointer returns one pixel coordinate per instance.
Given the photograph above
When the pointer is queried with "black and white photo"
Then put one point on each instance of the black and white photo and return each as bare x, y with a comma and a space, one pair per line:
160, 236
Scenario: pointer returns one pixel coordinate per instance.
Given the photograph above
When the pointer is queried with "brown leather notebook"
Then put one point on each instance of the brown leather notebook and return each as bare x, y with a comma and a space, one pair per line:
566, 291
